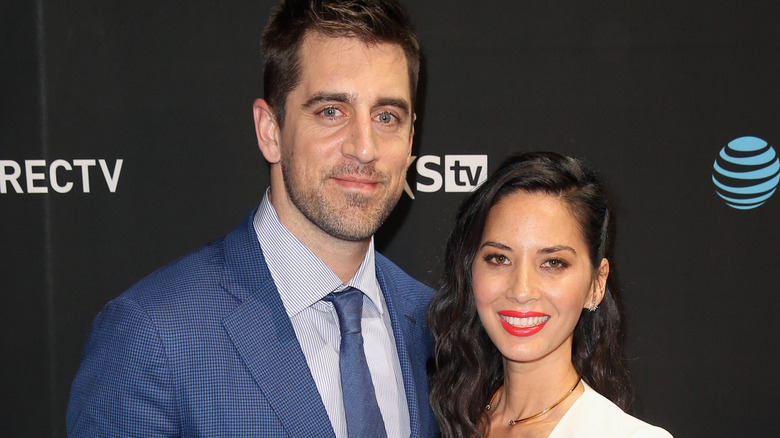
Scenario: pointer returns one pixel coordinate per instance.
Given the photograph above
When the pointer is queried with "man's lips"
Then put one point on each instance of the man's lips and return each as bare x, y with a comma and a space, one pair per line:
356, 182
356, 179
522, 323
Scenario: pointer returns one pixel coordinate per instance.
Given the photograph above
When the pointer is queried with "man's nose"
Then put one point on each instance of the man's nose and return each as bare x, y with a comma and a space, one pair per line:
360, 142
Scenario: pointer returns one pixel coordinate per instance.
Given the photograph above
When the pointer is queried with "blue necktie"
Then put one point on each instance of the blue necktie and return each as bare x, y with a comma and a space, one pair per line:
360, 406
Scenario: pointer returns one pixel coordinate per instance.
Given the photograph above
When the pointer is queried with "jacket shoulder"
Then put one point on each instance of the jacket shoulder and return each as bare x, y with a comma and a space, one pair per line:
407, 285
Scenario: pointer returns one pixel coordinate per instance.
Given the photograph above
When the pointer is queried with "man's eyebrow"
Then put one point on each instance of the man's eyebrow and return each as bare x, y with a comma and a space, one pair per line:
401, 104
327, 97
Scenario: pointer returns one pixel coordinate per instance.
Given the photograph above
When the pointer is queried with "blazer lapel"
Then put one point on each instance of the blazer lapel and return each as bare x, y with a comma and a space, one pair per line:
264, 337
404, 326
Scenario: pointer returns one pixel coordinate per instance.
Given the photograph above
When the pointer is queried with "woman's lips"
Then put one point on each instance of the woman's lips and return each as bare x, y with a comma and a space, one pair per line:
522, 323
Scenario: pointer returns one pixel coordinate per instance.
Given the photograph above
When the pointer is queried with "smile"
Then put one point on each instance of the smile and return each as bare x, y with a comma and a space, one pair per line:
356, 182
522, 323
355, 179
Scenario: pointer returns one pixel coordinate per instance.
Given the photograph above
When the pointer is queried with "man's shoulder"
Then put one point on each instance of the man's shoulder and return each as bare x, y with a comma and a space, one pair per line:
195, 275
400, 278
196, 270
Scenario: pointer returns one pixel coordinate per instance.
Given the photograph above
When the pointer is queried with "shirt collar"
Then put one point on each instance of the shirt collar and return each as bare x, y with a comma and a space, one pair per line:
310, 279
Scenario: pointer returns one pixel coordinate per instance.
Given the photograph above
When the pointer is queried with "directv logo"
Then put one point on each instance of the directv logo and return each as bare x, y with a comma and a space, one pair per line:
61, 175
746, 173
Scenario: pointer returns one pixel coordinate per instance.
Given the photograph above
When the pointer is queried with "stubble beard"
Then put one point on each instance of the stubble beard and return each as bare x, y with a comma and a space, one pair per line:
347, 216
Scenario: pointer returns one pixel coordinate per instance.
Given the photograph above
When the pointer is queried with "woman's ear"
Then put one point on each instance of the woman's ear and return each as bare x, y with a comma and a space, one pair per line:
267, 131
600, 282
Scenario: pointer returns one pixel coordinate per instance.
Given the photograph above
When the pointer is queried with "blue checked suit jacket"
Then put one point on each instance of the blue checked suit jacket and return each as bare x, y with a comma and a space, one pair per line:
203, 347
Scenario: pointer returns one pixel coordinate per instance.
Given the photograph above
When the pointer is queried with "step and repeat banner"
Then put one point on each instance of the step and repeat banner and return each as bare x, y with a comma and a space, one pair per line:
127, 140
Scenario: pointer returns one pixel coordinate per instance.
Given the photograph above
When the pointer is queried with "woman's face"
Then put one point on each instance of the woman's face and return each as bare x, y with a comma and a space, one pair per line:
532, 276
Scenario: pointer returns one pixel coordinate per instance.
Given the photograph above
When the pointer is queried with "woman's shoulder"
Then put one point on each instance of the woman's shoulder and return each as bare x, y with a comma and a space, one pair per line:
593, 415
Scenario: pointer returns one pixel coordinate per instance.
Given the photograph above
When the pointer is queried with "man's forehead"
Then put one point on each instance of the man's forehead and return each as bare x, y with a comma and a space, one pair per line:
316, 44
329, 62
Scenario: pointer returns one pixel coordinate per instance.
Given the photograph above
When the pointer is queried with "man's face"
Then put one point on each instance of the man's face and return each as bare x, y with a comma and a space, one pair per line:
347, 135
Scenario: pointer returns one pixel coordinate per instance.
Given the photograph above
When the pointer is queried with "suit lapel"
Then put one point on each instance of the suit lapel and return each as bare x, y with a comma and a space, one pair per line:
264, 337
404, 322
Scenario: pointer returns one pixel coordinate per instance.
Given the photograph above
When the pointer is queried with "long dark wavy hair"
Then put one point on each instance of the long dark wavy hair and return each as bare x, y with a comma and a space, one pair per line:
468, 368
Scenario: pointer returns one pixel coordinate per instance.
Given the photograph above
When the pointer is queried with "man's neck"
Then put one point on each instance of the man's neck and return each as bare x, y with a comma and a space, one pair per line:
343, 257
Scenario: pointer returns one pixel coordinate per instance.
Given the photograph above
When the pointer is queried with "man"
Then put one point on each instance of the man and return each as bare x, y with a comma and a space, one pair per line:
247, 336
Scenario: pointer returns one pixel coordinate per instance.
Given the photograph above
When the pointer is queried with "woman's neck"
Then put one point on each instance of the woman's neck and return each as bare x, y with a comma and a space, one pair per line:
530, 389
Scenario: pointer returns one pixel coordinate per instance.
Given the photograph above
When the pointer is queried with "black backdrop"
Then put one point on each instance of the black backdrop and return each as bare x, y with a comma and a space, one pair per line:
648, 92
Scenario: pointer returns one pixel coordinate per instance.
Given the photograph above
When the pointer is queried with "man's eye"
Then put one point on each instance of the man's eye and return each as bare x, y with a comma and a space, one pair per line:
386, 118
330, 112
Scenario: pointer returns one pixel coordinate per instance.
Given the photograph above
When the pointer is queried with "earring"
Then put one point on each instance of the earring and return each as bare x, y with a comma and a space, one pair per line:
592, 306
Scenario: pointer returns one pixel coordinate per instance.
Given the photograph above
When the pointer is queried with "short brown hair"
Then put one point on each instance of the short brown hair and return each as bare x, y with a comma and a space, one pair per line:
370, 21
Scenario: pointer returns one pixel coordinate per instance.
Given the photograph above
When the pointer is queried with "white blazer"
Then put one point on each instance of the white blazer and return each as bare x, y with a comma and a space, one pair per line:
594, 416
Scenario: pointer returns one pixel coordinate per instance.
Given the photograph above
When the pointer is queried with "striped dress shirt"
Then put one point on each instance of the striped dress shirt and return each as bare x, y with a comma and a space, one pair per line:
303, 280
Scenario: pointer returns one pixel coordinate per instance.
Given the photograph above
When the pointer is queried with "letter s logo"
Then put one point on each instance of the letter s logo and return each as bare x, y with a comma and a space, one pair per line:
426, 171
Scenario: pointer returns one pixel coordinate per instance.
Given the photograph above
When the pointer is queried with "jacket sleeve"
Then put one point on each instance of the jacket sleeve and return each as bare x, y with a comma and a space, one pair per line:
123, 386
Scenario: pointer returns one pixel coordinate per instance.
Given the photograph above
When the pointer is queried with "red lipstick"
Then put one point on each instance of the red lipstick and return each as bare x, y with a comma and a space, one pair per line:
513, 330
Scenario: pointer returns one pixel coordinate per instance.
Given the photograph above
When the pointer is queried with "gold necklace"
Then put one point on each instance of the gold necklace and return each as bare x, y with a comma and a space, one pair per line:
538, 414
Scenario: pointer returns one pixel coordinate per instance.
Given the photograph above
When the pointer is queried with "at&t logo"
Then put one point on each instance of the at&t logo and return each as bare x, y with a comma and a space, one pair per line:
746, 173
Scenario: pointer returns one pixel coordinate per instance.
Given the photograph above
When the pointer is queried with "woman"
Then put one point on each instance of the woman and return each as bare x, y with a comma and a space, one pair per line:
528, 322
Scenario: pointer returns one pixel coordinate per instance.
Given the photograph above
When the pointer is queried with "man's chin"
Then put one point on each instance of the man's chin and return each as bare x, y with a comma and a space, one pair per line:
344, 214
356, 224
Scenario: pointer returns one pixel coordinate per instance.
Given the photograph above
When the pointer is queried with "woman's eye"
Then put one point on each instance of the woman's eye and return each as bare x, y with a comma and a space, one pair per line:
498, 259
555, 263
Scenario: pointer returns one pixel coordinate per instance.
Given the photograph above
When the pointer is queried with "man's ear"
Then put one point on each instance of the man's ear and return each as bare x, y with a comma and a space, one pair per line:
411, 134
267, 131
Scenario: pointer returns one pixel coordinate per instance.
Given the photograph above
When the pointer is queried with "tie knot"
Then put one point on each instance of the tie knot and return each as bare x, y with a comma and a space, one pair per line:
349, 309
